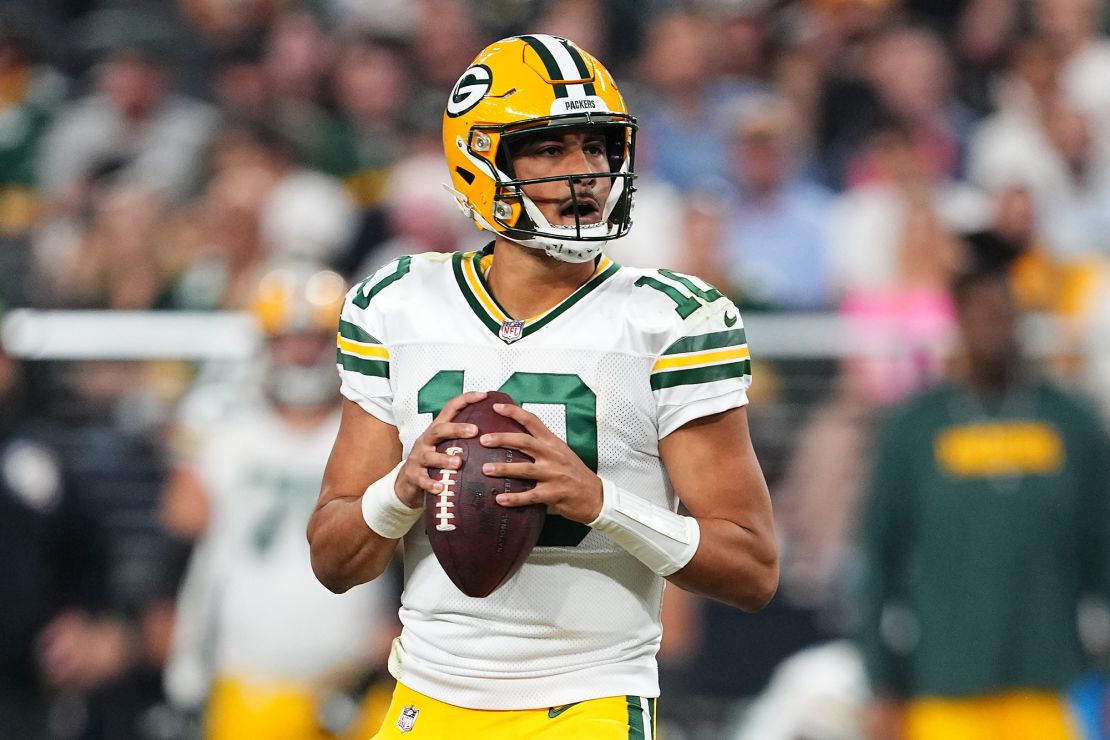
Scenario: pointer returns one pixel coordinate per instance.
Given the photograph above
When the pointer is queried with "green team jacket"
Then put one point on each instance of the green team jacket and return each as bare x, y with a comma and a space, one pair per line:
986, 521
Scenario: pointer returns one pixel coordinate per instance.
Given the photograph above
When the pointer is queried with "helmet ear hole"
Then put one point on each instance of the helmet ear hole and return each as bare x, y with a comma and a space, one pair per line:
615, 147
504, 160
465, 174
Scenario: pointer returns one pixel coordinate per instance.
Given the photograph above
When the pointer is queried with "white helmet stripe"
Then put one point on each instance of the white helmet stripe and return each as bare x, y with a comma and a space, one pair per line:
567, 67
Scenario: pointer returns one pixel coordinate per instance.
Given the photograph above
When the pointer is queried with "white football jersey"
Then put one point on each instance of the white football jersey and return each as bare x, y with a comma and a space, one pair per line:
251, 602
628, 358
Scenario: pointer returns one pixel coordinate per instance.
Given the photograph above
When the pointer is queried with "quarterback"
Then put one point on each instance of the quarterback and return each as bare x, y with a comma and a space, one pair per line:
632, 386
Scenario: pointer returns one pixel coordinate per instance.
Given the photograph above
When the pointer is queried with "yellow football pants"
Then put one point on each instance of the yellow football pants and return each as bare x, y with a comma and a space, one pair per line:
414, 716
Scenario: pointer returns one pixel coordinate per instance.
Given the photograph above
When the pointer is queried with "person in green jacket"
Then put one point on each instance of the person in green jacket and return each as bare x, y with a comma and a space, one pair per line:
986, 522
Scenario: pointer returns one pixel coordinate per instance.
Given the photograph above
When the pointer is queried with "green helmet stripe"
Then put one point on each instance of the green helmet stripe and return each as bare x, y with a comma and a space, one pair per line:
549, 62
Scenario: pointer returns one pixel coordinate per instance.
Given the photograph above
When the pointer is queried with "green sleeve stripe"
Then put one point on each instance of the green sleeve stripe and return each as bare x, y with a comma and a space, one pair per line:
373, 368
702, 342
709, 374
362, 300
347, 330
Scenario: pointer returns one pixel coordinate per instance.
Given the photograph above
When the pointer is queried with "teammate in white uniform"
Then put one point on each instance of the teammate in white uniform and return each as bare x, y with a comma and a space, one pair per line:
633, 387
258, 640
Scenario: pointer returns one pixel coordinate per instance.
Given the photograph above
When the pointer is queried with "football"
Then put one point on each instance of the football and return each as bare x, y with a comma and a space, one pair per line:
479, 542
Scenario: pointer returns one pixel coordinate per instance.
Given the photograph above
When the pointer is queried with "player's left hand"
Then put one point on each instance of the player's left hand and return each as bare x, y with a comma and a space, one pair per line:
563, 481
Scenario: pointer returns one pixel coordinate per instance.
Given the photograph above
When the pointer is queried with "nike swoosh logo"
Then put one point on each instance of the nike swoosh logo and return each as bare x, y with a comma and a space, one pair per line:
730, 321
556, 711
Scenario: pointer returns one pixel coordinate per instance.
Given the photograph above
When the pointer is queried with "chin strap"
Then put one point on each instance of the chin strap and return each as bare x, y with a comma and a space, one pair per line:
564, 250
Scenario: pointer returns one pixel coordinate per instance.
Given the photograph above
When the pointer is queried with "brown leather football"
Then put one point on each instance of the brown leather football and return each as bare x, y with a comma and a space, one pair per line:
479, 542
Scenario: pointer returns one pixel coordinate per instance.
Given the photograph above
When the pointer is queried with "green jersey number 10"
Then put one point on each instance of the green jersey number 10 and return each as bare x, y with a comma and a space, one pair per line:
579, 404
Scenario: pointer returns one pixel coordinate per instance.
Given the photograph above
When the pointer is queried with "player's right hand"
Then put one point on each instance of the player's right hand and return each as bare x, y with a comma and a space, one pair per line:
413, 481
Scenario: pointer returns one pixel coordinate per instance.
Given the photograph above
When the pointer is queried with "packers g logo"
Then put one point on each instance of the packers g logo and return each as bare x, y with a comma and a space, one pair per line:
474, 85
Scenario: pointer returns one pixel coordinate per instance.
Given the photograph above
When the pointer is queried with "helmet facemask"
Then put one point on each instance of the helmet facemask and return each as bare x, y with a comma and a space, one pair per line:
305, 378
525, 224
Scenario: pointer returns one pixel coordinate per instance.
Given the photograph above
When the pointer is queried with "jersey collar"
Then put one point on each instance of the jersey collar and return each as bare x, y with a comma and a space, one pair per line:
470, 269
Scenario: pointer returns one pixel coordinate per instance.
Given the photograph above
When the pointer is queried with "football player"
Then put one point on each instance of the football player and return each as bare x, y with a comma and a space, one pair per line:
632, 385
258, 641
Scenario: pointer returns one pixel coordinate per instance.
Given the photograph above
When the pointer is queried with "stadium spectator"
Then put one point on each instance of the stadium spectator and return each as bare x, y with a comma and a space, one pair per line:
119, 262
839, 35
223, 235
298, 58
132, 116
240, 85
981, 42
774, 246
225, 23
683, 105
443, 42
371, 82
30, 93
985, 524
910, 72
1073, 31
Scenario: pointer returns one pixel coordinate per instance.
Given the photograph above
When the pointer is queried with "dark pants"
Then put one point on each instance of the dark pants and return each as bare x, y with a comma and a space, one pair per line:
22, 715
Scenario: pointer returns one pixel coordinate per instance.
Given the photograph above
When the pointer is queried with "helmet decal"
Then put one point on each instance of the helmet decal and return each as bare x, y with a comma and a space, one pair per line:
474, 85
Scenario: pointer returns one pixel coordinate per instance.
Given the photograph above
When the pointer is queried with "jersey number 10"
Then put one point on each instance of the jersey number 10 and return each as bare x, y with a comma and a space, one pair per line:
568, 391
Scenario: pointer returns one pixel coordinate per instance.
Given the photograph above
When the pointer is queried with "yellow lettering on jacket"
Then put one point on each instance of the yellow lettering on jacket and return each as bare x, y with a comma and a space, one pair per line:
1001, 448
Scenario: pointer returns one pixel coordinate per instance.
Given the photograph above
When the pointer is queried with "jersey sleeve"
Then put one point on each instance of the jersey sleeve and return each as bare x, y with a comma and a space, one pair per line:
362, 352
704, 366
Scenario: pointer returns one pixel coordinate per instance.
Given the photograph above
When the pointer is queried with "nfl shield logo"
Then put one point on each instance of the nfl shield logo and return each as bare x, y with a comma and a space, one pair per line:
407, 718
511, 331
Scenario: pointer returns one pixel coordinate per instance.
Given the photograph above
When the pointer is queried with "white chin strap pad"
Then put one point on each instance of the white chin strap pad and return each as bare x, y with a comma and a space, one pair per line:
570, 249
565, 249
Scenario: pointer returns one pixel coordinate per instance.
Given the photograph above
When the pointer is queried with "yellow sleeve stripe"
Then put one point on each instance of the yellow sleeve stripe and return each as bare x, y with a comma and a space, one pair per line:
375, 351
673, 362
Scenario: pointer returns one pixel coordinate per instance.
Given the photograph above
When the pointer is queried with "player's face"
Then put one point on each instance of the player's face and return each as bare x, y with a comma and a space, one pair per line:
300, 348
561, 154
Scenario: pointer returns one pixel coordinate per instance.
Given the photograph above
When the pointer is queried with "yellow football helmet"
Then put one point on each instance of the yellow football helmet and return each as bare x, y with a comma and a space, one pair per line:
512, 88
298, 297
297, 306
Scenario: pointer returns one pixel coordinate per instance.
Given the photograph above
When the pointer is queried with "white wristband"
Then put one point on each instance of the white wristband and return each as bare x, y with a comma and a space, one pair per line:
659, 538
383, 512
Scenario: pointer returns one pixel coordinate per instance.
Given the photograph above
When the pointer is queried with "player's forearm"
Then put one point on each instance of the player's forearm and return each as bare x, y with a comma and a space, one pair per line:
733, 564
345, 551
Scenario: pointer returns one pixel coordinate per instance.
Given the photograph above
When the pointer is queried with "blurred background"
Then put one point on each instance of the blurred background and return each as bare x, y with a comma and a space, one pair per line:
168, 169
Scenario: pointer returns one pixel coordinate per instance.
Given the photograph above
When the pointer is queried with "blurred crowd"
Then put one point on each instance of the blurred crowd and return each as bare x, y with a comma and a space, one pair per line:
841, 157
